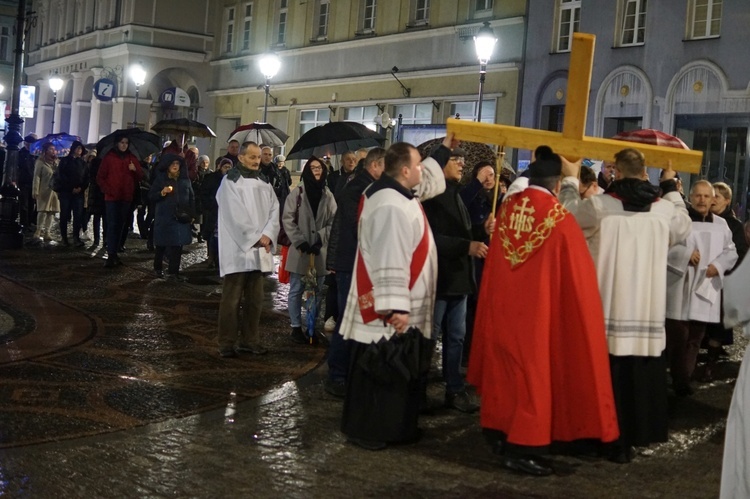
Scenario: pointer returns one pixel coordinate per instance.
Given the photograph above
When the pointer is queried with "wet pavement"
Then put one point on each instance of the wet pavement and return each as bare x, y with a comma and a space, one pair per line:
111, 386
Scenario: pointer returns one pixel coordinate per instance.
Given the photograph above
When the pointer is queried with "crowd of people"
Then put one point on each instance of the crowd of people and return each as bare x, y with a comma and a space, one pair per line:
579, 296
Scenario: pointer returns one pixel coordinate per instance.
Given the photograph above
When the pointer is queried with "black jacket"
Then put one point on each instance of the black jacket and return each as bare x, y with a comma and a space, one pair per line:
451, 228
74, 173
342, 243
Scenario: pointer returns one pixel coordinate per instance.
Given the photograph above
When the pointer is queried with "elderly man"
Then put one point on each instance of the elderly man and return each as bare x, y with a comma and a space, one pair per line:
697, 268
629, 230
248, 225
457, 245
338, 178
392, 290
233, 148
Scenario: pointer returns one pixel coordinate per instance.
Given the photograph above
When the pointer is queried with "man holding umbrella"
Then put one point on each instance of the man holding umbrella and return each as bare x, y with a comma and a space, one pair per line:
119, 175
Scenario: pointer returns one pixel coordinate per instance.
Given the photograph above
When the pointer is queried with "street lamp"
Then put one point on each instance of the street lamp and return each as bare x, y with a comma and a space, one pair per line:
55, 84
138, 75
484, 43
269, 66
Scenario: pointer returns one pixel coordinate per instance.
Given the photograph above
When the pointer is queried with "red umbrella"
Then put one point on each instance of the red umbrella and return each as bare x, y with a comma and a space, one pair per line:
651, 137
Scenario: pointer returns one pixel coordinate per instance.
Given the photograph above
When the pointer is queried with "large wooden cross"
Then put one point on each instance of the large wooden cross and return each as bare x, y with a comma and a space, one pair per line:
572, 143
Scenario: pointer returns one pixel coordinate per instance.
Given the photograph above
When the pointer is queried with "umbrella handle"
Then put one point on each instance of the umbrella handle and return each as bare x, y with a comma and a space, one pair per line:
498, 169
312, 261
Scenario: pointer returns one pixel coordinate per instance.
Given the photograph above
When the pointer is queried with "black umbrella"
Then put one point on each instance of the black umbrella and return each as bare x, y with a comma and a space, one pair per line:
404, 357
334, 138
183, 126
141, 143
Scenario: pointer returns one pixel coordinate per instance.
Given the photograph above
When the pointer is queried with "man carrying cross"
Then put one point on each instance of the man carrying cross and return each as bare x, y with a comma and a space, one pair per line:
541, 365
629, 229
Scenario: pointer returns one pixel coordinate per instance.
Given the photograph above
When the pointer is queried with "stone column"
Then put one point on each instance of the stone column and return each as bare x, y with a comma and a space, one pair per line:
42, 111
93, 136
75, 103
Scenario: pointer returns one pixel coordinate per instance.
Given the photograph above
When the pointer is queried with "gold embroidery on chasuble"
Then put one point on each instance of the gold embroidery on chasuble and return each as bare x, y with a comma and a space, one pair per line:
519, 231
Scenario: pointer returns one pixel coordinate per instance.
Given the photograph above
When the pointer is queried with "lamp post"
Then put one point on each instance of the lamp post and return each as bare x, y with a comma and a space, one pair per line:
269, 65
138, 75
55, 84
484, 43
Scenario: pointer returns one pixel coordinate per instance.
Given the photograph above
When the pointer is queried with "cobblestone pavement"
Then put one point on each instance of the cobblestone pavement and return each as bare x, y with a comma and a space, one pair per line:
259, 429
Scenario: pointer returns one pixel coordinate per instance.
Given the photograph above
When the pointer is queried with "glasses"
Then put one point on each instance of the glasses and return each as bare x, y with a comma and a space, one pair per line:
458, 159
317, 168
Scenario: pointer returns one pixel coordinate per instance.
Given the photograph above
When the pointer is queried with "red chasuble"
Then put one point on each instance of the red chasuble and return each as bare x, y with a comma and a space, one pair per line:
539, 355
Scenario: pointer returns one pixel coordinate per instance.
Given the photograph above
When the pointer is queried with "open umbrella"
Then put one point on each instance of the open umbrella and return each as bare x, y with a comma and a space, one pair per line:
475, 152
183, 126
651, 137
61, 141
334, 138
310, 280
141, 143
260, 133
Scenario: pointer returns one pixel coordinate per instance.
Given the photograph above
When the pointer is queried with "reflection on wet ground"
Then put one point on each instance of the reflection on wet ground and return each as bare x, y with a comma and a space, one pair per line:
253, 428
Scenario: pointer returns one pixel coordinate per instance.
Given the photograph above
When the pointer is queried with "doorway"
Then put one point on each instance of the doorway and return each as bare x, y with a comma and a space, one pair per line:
724, 142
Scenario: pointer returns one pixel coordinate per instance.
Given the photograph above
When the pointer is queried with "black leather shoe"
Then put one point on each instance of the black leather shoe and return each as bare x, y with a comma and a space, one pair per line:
528, 465
337, 388
109, 263
461, 401
368, 444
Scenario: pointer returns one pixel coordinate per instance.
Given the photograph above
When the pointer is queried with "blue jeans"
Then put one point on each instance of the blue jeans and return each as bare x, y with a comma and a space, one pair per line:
294, 300
338, 350
454, 312
70, 202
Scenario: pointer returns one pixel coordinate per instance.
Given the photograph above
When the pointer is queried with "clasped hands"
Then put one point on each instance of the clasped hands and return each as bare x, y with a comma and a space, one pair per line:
313, 249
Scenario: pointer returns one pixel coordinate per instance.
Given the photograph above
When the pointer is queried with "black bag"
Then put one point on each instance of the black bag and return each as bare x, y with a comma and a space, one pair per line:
183, 215
54, 181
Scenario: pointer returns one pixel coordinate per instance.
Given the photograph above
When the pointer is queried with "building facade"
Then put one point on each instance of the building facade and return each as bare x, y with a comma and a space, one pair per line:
354, 60
671, 65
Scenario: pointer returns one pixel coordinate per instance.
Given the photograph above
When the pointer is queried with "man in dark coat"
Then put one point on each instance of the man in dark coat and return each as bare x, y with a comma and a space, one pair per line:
456, 245
342, 250
210, 207
25, 182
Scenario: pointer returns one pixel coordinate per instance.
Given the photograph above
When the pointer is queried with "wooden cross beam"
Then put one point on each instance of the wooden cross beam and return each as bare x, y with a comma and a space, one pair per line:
572, 143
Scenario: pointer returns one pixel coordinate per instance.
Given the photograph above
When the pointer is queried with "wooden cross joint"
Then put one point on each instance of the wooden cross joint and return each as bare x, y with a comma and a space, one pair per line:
572, 143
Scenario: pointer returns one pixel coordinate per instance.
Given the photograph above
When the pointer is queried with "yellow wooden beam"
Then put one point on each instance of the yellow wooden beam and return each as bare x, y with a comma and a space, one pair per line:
579, 82
585, 147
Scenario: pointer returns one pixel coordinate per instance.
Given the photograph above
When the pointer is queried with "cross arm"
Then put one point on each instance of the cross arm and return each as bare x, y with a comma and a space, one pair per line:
572, 148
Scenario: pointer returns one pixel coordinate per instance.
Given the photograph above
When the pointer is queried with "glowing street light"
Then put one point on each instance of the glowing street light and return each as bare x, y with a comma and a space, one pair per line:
484, 43
138, 75
55, 84
269, 65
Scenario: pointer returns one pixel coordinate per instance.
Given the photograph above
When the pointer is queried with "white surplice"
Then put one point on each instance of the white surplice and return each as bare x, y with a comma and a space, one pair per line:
735, 478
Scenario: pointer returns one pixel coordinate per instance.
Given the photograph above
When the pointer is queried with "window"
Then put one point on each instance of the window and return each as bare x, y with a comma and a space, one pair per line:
362, 114
633, 22
229, 30
5, 44
553, 118
705, 18
421, 12
569, 16
468, 110
482, 5
246, 26
414, 114
311, 118
324, 7
281, 27
368, 15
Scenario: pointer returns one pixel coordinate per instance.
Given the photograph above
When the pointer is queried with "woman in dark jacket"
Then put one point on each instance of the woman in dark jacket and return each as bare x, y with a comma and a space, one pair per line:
74, 179
172, 195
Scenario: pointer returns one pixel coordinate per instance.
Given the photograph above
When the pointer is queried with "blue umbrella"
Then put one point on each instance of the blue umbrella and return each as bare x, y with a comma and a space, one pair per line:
309, 296
62, 142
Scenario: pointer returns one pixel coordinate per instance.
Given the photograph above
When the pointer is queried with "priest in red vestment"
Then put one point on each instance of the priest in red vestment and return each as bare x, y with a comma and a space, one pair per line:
539, 356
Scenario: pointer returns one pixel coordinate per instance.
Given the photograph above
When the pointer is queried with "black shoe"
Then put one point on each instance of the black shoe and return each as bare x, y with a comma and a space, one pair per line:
122, 249
337, 388
159, 274
298, 336
65, 241
79, 243
528, 465
176, 277
227, 353
683, 390
109, 263
461, 401
621, 455
253, 349
368, 444
96, 242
